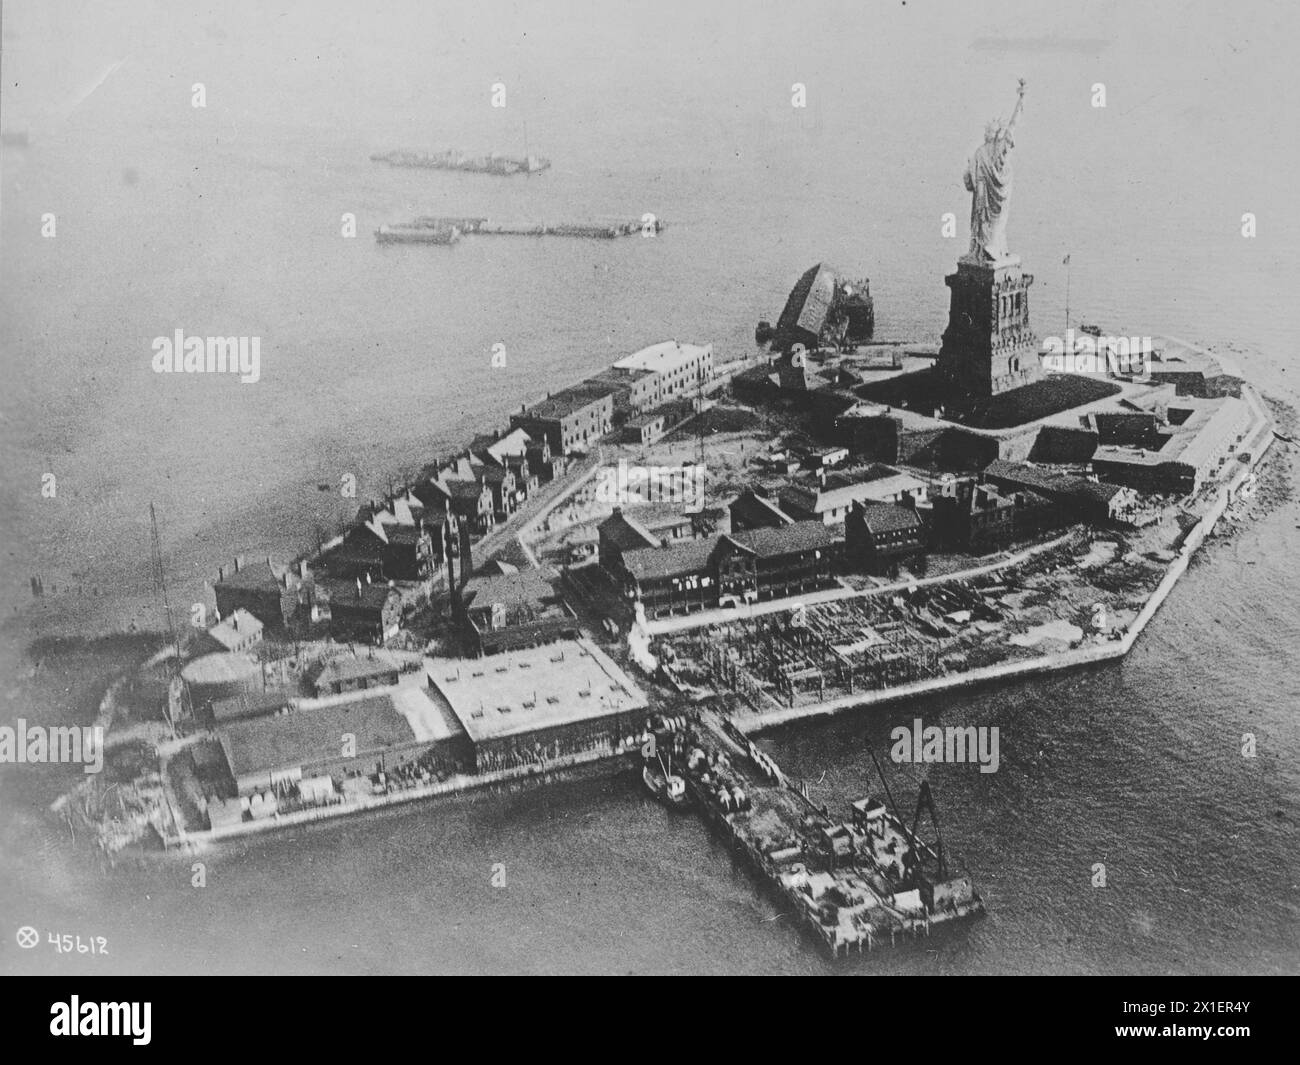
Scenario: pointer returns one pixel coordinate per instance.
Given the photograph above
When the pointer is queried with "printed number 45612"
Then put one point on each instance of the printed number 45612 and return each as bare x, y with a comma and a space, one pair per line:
69, 944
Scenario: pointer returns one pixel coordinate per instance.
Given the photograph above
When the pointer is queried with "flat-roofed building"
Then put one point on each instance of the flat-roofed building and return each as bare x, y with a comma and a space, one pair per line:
535, 706
665, 371
1201, 436
576, 417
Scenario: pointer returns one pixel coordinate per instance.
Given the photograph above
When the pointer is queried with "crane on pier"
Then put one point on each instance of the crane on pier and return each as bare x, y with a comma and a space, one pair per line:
924, 800
160, 589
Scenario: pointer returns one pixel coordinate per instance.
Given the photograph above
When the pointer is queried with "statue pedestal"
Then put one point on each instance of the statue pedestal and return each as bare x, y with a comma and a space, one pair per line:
988, 347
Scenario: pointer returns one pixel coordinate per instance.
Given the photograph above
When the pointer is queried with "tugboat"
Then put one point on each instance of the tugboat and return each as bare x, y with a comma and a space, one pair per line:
663, 784
666, 733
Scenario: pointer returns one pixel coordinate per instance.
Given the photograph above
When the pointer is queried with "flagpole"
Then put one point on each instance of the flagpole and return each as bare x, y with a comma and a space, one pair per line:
1067, 294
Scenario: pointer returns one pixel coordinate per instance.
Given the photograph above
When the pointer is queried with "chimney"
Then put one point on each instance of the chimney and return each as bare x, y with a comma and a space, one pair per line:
367, 576
302, 568
358, 587
239, 563
221, 573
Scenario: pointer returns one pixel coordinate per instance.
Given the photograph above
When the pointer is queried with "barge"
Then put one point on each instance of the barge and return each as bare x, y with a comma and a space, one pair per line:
611, 230
411, 234
455, 159
854, 883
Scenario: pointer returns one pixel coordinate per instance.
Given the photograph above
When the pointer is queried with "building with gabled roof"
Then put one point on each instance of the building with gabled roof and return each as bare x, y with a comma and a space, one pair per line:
749, 510
346, 673
260, 588
361, 612
237, 631
273, 753
822, 310
728, 568
828, 500
383, 550
1087, 500
880, 537
504, 612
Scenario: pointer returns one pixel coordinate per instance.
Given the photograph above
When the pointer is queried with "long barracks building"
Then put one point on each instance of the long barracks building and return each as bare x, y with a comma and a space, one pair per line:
728, 569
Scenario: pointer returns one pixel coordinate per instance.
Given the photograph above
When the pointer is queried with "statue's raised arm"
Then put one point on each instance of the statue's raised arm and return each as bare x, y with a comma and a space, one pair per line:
1020, 106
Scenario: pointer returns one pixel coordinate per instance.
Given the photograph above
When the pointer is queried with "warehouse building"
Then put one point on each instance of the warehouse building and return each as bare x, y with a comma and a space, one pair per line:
1201, 436
357, 737
535, 706
1080, 498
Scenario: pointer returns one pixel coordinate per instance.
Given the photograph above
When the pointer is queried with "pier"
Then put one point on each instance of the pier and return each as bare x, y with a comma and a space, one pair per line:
854, 884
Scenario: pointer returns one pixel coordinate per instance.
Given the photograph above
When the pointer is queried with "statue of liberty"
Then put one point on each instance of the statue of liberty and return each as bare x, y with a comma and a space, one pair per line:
988, 177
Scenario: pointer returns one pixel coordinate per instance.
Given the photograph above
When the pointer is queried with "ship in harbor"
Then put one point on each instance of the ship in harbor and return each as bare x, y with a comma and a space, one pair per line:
455, 159
667, 786
664, 784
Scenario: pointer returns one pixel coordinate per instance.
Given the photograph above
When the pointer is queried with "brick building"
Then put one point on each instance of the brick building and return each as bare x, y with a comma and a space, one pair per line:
575, 418
880, 537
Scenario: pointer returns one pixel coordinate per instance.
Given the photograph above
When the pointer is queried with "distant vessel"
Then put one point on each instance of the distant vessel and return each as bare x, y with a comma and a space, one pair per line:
646, 226
417, 234
500, 165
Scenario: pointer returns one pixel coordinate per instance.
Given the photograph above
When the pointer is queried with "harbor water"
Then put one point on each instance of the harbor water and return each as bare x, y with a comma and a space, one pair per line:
230, 220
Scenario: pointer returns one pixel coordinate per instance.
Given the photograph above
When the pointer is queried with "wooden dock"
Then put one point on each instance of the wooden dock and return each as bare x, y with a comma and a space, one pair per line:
853, 885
